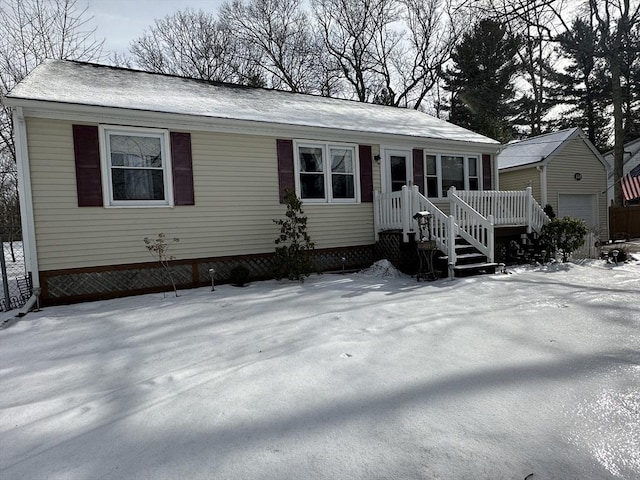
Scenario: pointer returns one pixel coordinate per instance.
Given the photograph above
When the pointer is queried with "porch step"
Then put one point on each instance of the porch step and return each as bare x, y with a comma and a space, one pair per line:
474, 269
465, 258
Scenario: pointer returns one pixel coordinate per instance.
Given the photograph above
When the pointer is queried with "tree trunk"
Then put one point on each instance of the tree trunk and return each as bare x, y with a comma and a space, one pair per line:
618, 145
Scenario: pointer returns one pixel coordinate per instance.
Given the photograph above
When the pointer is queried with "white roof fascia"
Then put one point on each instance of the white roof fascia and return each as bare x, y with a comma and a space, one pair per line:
100, 114
522, 167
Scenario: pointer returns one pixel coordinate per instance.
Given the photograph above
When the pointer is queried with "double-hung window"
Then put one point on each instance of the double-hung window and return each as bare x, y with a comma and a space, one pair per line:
136, 166
326, 173
443, 171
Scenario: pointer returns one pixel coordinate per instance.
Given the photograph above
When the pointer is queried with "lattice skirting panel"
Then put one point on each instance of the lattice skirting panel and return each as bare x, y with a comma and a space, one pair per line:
65, 286
402, 255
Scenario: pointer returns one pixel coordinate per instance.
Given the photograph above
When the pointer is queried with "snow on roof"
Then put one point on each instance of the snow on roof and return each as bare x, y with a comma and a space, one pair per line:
533, 150
100, 85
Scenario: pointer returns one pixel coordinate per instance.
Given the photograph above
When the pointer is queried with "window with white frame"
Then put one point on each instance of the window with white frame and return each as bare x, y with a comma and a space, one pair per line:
136, 166
443, 171
326, 172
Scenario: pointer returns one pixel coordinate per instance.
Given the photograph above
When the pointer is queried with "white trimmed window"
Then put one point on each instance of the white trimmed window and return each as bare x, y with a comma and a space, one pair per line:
136, 166
326, 172
443, 171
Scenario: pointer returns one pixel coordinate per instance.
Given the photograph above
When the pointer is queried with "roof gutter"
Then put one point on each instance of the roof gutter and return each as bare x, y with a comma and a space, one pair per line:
26, 197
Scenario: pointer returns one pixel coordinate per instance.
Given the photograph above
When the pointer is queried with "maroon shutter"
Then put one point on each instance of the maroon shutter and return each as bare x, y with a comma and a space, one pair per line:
87, 155
366, 173
486, 171
286, 175
418, 169
182, 168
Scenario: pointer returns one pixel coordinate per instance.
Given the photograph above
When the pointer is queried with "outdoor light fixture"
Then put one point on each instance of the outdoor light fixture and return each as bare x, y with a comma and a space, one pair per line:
376, 158
615, 256
344, 260
577, 176
212, 273
423, 219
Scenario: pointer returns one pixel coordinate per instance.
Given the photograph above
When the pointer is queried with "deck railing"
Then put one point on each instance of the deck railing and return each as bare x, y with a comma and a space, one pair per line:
474, 214
506, 207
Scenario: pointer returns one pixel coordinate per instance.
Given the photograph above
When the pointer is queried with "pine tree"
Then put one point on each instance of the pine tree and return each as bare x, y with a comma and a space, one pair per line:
480, 81
584, 85
293, 255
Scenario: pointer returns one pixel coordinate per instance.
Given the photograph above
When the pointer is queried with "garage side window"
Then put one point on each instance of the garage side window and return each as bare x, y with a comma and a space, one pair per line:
136, 166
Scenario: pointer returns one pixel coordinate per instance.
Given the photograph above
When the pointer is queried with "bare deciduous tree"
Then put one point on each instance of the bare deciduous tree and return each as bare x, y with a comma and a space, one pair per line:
279, 30
416, 61
192, 44
9, 203
356, 35
30, 32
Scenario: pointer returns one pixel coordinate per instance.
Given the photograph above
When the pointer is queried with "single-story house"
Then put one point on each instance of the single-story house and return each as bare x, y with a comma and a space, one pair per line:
564, 170
108, 156
631, 159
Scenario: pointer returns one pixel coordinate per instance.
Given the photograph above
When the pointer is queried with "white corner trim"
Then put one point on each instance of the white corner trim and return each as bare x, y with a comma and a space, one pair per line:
26, 197
543, 185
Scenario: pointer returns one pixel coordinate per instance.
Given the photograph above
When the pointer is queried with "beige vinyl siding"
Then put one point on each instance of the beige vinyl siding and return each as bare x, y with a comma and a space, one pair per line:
236, 196
577, 157
518, 180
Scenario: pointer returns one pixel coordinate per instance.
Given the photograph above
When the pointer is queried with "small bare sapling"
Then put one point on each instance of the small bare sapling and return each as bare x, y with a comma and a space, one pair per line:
158, 249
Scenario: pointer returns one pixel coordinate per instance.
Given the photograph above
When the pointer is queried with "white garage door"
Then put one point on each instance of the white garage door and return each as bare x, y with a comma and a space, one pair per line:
582, 206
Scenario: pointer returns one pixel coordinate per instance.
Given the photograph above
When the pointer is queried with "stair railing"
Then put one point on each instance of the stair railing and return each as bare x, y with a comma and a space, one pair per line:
472, 226
443, 228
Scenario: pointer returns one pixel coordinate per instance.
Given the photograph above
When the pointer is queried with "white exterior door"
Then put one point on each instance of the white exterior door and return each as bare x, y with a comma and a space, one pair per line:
397, 169
584, 206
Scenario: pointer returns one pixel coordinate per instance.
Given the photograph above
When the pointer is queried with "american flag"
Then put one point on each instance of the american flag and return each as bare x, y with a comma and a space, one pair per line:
631, 184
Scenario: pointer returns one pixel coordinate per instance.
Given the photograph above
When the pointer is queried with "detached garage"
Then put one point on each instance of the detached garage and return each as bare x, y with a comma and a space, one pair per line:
564, 170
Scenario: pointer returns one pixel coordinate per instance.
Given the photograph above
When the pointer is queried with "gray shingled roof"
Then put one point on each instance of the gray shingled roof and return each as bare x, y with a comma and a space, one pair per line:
99, 85
533, 150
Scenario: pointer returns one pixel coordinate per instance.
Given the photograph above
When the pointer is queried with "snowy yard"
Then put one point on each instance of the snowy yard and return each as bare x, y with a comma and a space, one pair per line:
361, 376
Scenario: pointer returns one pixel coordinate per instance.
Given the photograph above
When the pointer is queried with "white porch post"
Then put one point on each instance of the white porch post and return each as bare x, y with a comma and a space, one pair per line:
529, 212
491, 239
406, 213
26, 198
376, 214
451, 245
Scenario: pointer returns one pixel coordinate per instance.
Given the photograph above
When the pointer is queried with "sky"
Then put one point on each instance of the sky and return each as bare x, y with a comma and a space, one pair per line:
121, 21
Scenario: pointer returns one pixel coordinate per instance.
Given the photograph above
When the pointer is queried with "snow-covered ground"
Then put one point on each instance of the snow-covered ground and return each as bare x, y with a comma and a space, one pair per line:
535, 375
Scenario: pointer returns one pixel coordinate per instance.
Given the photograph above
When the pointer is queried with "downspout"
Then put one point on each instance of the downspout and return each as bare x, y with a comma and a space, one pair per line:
496, 170
543, 184
26, 199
